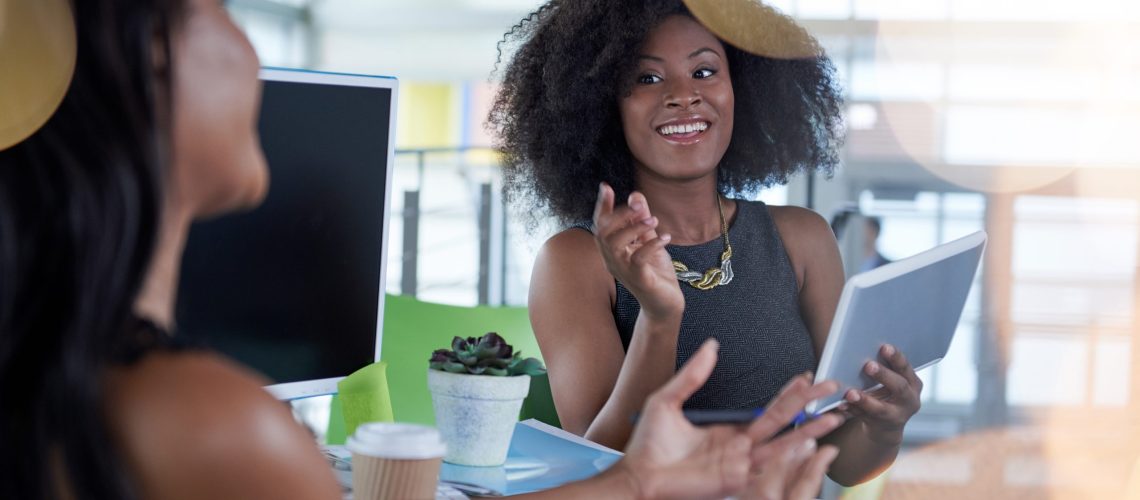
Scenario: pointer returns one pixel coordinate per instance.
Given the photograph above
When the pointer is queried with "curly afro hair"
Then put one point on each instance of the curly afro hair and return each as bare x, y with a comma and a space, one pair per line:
557, 122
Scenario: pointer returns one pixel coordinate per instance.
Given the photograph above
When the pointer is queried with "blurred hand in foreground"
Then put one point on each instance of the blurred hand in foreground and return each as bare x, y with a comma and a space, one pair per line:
668, 457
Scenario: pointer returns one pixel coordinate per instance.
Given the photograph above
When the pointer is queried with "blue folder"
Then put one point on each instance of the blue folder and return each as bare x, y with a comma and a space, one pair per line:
540, 457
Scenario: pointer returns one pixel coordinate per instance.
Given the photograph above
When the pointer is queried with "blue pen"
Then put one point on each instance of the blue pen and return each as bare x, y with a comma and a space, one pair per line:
709, 417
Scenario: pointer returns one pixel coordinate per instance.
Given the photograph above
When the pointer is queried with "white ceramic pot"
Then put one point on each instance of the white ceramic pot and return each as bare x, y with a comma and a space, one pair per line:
476, 414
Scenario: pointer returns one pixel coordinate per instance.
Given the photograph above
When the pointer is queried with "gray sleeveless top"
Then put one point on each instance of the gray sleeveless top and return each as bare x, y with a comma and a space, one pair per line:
756, 317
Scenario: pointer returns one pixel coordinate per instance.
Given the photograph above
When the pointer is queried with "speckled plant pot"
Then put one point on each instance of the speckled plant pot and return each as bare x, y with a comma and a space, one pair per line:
476, 414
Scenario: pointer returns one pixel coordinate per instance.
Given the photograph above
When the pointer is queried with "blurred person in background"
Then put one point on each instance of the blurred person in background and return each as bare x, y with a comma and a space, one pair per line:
872, 227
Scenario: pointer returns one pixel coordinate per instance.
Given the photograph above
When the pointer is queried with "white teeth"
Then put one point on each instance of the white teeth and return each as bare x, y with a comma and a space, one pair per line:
683, 129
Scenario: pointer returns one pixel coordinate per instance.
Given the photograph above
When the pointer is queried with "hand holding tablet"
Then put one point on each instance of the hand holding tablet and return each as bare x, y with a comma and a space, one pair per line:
886, 409
893, 318
888, 321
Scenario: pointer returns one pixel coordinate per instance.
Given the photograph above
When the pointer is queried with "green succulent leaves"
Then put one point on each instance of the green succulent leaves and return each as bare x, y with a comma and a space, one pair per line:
487, 355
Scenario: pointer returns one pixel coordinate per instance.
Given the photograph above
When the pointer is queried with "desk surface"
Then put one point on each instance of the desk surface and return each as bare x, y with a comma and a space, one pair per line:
540, 457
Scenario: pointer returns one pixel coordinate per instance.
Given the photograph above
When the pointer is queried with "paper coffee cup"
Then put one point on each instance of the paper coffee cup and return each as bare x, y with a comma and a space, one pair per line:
395, 461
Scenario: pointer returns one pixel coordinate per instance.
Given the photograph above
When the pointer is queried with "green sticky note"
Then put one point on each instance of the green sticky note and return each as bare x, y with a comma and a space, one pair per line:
364, 397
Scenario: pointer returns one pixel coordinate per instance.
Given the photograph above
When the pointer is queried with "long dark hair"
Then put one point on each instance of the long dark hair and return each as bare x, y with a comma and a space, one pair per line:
79, 214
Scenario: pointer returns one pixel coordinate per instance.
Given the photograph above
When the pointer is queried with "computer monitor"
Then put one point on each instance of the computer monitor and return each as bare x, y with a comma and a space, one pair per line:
295, 288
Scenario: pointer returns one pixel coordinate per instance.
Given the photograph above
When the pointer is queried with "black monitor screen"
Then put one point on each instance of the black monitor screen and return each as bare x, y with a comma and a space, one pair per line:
291, 288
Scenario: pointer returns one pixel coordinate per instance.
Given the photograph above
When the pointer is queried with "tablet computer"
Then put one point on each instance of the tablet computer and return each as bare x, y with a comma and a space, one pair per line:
913, 304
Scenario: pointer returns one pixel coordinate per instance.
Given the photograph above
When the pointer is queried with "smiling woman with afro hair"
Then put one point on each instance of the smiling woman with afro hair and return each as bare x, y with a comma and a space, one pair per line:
633, 126
561, 134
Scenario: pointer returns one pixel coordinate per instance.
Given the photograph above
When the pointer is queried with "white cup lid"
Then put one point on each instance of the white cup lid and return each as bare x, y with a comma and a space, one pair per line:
396, 441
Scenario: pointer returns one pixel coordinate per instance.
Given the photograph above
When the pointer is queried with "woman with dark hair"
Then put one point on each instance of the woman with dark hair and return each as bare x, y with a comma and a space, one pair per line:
631, 124
156, 129
99, 400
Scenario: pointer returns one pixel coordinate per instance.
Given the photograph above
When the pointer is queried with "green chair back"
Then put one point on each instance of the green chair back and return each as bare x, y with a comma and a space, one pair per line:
413, 329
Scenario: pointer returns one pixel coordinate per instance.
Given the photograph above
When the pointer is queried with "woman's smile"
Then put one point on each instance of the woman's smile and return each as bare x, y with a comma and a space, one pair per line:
685, 131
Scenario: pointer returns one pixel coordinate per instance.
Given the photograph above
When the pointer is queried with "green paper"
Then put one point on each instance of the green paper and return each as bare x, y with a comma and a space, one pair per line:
335, 433
364, 397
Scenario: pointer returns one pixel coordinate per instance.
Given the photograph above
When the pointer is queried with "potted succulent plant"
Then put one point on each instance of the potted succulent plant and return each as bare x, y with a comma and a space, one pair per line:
477, 388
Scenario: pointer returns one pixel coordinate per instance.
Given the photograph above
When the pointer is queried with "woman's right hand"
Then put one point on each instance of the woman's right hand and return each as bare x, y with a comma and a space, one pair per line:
635, 254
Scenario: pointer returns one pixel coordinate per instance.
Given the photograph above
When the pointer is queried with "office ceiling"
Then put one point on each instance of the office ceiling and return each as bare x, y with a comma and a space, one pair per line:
398, 37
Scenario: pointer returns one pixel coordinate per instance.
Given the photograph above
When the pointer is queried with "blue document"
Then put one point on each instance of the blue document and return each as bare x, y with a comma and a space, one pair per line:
540, 457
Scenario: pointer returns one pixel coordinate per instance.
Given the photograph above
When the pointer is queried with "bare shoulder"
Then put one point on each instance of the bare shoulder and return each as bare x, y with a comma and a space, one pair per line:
570, 245
195, 425
808, 240
799, 225
570, 259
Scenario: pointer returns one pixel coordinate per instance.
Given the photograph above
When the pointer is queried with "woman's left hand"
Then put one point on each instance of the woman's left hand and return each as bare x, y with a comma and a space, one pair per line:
885, 411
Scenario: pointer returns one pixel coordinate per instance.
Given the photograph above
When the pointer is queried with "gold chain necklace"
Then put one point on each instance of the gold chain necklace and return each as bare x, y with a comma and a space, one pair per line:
714, 276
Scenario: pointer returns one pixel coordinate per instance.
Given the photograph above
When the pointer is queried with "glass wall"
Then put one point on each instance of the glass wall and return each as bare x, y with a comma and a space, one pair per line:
1072, 304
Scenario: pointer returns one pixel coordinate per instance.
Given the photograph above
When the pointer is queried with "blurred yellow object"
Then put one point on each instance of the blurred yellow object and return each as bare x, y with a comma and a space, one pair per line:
754, 27
37, 54
870, 490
